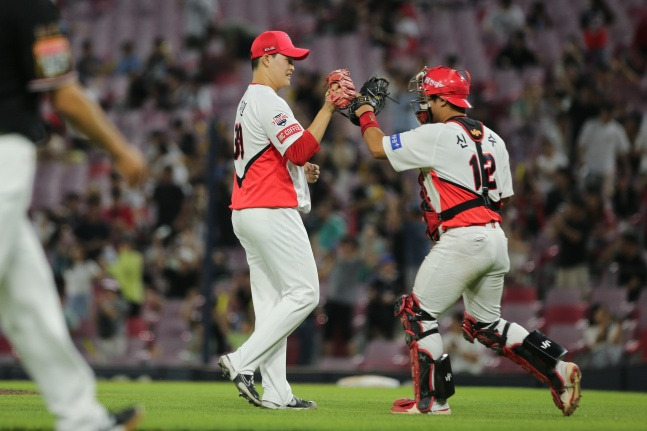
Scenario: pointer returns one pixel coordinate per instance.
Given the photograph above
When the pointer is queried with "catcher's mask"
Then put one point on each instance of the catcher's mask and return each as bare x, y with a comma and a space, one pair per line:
440, 81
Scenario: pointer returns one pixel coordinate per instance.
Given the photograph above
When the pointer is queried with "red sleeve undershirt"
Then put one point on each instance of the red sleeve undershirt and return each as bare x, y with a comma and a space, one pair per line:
302, 149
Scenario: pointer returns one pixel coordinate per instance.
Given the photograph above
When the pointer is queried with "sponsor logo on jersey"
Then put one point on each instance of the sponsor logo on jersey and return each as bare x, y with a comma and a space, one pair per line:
288, 131
280, 119
395, 141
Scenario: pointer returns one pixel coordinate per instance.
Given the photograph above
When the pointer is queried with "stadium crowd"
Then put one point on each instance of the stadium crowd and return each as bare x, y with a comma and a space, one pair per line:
129, 262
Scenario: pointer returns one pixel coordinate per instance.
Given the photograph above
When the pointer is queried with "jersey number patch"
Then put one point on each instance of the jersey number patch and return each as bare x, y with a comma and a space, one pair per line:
239, 150
490, 168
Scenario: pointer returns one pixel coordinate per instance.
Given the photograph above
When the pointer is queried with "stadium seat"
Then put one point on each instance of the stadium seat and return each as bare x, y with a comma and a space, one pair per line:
522, 314
519, 294
615, 300
563, 296
563, 314
385, 355
570, 336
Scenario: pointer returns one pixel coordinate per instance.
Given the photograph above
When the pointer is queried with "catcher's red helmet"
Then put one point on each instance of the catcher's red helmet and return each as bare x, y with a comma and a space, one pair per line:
444, 82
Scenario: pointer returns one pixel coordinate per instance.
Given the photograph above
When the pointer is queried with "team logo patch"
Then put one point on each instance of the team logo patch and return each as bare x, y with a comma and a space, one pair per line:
395, 141
53, 56
280, 120
288, 131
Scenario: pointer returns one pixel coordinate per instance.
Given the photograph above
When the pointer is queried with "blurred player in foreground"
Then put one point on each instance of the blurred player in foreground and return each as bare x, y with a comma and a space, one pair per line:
36, 57
465, 179
271, 153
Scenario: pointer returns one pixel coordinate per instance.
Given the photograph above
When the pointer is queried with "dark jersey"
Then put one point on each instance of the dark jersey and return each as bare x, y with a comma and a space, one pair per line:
35, 56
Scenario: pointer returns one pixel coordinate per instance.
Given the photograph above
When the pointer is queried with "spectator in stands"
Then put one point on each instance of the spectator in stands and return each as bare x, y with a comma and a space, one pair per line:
89, 65
168, 199
571, 227
79, 280
625, 200
330, 228
162, 151
503, 20
467, 358
198, 16
93, 232
632, 268
182, 265
515, 54
343, 272
547, 163
603, 144
128, 62
128, 270
603, 337
383, 290
595, 21
111, 321
562, 186
119, 214
538, 18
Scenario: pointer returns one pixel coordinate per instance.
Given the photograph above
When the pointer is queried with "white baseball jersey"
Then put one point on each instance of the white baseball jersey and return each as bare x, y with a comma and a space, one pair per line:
450, 168
265, 128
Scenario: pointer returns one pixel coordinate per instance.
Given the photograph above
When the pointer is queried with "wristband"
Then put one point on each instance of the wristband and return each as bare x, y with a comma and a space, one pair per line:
366, 120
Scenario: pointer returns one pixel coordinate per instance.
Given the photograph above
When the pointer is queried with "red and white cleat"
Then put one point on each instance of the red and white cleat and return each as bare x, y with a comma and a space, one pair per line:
408, 406
568, 400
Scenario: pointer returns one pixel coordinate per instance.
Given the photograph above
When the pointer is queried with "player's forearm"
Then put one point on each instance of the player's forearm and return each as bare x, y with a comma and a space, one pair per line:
373, 138
84, 114
321, 121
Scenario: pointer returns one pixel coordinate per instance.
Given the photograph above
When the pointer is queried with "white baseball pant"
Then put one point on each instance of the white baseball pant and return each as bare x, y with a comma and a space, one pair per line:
30, 310
285, 290
470, 262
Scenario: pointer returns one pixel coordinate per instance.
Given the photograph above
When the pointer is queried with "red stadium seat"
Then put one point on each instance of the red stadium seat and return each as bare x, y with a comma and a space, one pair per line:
564, 314
385, 355
519, 293
563, 296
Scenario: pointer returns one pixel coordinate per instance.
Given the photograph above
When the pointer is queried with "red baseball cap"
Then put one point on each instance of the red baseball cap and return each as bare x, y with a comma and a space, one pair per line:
273, 42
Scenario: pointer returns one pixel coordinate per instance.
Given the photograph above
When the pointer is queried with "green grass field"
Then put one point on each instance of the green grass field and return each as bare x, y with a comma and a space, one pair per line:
216, 406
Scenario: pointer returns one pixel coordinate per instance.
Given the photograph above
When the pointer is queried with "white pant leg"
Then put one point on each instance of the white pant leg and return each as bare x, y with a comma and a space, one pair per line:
30, 309
283, 272
465, 260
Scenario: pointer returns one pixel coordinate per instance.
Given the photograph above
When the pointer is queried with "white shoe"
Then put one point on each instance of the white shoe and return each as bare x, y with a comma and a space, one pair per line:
296, 404
440, 407
568, 399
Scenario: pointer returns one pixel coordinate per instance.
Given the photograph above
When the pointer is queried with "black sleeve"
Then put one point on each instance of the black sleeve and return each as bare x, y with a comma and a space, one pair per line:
45, 52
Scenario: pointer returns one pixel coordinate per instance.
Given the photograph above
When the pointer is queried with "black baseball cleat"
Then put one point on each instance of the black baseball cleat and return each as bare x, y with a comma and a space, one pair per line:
244, 383
125, 420
296, 404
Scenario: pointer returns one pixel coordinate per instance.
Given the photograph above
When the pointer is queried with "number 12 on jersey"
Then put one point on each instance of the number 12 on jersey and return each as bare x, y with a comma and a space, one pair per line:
490, 168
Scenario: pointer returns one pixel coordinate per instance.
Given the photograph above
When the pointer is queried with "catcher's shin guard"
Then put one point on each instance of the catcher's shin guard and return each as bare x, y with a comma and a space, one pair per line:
424, 369
536, 354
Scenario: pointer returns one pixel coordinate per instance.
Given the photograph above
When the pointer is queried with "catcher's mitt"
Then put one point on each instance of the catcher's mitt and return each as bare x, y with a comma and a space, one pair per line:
374, 92
341, 89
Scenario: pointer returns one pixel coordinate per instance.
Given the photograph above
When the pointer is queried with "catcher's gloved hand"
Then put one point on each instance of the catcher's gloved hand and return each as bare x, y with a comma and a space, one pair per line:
341, 89
374, 92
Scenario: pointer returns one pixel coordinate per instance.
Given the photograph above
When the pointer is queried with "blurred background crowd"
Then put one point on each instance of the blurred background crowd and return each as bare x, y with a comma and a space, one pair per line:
563, 83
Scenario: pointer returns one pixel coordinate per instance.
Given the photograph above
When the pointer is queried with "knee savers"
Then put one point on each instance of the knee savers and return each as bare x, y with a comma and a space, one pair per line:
536, 354
431, 378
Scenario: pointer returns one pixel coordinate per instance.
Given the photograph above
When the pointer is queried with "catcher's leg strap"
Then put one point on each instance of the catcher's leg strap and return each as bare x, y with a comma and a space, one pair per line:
536, 354
423, 366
